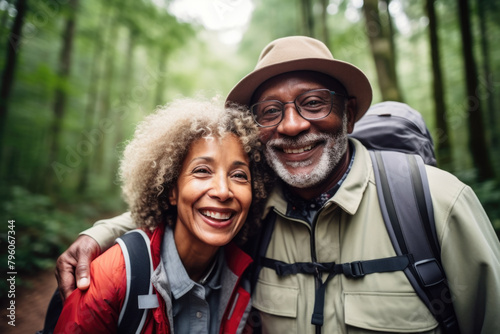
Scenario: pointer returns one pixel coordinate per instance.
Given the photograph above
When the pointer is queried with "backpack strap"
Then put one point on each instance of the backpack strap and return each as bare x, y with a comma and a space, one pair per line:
139, 296
354, 270
52, 315
260, 242
404, 195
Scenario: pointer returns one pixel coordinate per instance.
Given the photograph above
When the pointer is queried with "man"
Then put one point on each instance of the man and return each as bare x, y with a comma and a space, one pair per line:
326, 210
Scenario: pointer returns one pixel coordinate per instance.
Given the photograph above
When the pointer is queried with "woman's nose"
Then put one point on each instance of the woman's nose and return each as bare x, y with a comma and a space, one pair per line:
220, 189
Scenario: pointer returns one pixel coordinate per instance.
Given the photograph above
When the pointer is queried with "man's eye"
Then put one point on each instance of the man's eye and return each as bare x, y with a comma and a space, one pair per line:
271, 110
313, 102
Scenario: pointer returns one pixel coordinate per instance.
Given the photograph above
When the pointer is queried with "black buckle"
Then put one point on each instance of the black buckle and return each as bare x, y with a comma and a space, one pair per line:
353, 269
429, 271
450, 325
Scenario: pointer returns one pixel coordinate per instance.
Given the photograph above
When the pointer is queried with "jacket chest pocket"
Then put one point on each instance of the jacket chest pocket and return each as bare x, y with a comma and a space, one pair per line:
388, 313
277, 305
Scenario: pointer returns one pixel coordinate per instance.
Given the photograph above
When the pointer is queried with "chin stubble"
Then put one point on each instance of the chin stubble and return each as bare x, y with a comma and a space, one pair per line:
334, 150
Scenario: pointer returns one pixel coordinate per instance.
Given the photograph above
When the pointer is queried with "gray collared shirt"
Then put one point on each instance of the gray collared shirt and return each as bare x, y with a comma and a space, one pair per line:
194, 306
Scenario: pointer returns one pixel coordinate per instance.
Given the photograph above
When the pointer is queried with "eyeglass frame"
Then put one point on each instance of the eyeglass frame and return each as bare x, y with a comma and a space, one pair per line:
332, 93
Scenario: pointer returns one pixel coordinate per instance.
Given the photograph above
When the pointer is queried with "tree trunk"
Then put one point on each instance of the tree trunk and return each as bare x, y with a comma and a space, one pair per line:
3, 19
442, 139
324, 22
391, 34
60, 92
307, 18
486, 80
13, 47
106, 96
382, 51
126, 103
477, 140
92, 132
160, 85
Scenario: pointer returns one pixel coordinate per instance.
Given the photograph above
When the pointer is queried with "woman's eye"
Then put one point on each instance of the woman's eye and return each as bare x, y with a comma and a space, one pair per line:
241, 176
201, 170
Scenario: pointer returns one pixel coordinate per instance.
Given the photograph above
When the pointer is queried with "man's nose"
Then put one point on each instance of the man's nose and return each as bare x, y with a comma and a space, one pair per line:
293, 123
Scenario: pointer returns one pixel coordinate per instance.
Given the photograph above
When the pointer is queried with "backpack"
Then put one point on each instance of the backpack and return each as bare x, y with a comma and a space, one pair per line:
400, 145
139, 297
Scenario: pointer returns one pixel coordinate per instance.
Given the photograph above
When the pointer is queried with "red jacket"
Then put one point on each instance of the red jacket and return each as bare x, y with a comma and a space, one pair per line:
97, 309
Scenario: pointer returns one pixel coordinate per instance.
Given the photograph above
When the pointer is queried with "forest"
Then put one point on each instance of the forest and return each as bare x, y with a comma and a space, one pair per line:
77, 76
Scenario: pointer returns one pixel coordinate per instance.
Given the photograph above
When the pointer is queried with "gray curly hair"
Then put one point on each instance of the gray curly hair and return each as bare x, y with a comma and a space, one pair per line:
152, 160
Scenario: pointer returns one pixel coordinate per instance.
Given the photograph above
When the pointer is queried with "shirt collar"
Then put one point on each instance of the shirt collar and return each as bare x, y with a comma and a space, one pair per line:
180, 282
348, 196
300, 208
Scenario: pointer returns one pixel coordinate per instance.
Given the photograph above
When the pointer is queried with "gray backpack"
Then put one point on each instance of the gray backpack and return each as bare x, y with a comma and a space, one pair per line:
400, 145
394, 126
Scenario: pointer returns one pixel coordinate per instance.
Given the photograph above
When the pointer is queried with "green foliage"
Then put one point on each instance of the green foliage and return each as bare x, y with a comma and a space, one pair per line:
42, 231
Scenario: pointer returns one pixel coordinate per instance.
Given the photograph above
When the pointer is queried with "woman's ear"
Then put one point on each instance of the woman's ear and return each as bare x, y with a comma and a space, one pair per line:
172, 196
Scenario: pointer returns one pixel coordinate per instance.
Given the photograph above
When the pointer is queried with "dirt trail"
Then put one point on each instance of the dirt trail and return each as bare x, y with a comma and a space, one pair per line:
31, 304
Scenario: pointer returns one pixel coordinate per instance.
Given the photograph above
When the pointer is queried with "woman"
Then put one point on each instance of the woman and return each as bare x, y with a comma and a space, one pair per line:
191, 177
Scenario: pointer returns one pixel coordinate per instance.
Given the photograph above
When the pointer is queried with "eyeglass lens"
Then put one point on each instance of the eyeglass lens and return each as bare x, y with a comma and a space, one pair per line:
314, 104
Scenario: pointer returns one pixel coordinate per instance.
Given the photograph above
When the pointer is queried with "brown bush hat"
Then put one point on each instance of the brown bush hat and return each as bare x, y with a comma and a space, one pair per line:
300, 53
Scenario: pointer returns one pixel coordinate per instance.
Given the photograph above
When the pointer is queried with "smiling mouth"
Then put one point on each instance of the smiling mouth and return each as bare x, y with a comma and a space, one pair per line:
216, 215
297, 150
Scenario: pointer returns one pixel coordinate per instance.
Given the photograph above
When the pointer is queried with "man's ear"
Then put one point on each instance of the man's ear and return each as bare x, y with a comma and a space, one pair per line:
351, 111
172, 196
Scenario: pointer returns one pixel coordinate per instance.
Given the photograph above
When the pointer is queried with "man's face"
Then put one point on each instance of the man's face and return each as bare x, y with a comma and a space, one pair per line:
305, 152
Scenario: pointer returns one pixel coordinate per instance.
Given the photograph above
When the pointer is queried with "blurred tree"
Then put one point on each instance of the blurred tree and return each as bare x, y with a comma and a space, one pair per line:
3, 19
306, 9
65, 57
137, 17
325, 35
13, 47
109, 81
91, 128
129, 19
381, 44
442, 137
483, 10
391, 32
478, 145
167, 37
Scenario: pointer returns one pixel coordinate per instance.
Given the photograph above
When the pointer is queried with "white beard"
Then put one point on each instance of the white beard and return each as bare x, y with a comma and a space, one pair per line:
334, 150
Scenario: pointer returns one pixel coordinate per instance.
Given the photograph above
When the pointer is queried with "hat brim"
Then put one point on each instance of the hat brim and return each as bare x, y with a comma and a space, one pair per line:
353, 79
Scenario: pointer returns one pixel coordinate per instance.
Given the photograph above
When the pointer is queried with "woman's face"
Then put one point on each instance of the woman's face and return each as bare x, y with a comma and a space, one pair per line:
213, 192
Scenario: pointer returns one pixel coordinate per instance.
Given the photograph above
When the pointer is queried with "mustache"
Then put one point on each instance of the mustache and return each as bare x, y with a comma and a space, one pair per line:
302, 140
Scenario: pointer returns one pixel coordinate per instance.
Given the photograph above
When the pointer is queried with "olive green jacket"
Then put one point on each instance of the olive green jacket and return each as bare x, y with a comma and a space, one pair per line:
350, 227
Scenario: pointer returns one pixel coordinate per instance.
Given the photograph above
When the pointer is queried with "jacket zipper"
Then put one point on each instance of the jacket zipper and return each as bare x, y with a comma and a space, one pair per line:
317, 275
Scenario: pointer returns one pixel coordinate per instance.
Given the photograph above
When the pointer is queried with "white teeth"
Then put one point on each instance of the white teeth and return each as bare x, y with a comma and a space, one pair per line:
216, 215
297, 150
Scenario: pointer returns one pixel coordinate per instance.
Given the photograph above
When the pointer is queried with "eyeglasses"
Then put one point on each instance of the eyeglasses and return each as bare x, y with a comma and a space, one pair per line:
311, 105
